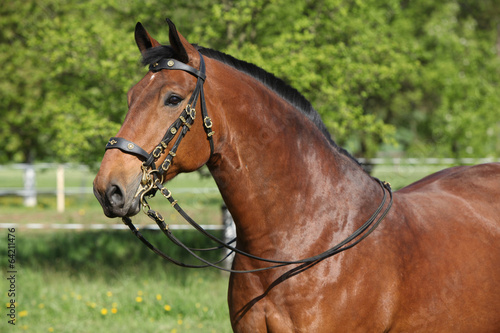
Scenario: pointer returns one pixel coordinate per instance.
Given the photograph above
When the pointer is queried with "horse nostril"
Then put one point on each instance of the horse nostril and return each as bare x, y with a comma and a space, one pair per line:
115, 196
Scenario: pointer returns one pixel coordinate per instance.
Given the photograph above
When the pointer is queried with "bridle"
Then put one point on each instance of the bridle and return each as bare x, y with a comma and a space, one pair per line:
153, 177
182, 125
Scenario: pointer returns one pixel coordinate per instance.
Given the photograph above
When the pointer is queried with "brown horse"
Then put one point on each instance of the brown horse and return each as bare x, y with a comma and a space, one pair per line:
432, 265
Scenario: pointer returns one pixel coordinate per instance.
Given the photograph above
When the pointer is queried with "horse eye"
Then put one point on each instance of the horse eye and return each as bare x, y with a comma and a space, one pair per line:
173, 100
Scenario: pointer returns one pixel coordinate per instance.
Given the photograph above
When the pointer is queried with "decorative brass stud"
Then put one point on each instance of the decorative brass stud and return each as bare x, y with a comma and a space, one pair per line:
173, 130
130, 146
112, 142
170, 63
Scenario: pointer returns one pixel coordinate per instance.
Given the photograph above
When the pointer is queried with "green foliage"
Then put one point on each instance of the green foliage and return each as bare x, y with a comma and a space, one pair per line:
109, 282
422, 74
425, 72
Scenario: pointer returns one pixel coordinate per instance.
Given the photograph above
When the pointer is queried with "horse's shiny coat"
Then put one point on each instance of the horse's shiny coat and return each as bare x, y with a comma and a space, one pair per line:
433, 264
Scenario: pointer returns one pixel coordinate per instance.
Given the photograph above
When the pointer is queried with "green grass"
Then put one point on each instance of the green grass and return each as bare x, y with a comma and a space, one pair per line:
403, 175
89, 281
109, 282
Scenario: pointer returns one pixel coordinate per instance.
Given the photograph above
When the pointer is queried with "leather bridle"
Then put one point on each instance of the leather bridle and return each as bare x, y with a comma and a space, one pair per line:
152, 181
180, 126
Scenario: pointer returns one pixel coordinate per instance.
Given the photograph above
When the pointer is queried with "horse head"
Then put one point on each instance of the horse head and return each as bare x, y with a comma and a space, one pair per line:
161, 111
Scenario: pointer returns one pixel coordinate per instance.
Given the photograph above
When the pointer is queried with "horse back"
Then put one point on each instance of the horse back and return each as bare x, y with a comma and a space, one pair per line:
449, 224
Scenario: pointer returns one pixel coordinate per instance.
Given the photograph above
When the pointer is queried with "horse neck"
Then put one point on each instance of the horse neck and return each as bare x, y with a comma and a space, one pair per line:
281, 178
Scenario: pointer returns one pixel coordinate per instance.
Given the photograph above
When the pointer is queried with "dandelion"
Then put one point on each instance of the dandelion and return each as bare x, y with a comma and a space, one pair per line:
23, 313
114, 310
167, 307
51, 329
140, 293
104, 311
179, 322
114, 304
79, 297
41, 306
138, 299
158, 297
109, 294
174, 330
205, 309
197, 305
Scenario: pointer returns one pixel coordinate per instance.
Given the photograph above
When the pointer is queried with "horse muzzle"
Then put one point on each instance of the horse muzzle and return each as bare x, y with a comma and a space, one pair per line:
117, 200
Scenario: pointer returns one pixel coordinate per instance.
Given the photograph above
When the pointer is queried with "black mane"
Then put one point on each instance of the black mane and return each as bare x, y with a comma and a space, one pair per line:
283, 90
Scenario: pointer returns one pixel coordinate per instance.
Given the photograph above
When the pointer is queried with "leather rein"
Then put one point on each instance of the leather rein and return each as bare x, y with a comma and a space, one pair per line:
153, 177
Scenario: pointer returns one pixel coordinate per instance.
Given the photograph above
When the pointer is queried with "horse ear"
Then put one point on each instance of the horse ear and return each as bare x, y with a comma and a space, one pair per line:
143, 39
184, 50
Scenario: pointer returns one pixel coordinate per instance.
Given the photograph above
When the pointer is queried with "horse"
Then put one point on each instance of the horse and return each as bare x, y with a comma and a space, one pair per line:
431, 265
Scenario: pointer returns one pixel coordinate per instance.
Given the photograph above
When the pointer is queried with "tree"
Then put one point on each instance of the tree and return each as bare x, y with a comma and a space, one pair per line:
422, 73
426, 68
67, 67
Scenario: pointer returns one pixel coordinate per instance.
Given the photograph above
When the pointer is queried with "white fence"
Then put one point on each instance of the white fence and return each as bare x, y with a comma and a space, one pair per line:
29, 190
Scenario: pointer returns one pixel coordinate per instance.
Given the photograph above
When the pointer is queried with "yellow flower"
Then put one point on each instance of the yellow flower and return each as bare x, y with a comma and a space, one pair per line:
41, 306
167, 307
114, 310
23, 313
138, 299
104, 311
114, 304
179, 322
140, 293
158, 297
51, 329
109, 294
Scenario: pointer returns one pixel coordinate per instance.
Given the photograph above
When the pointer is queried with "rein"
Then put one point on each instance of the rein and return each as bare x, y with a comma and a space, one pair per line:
152, 181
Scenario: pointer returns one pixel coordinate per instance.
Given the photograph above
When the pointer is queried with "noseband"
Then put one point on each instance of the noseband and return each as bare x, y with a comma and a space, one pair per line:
152, 180
181, 126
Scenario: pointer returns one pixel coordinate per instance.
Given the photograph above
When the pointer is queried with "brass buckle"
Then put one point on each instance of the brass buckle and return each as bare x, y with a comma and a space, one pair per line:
157, 151
165, 166
191, 112
207, 122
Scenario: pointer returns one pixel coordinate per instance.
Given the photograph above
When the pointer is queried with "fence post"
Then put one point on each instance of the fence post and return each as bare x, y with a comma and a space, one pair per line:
29, 186
60, 188
229, 234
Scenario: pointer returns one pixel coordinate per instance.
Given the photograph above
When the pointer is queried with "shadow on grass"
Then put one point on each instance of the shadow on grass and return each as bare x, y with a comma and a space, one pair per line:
89, 252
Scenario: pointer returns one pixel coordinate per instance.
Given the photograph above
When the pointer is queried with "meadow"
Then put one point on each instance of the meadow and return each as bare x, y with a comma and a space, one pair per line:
107, 280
